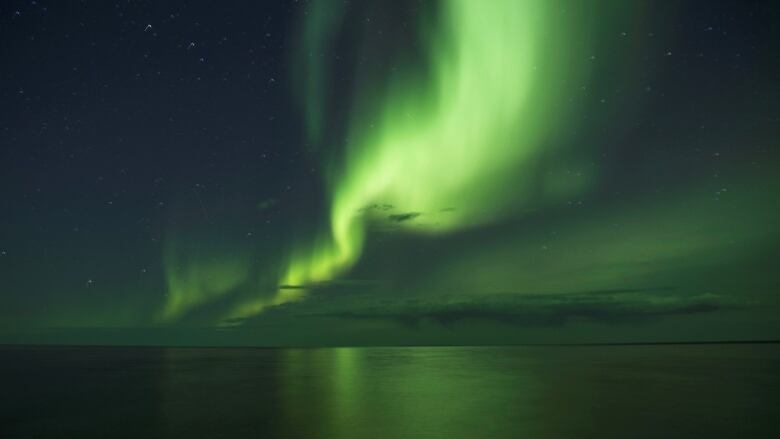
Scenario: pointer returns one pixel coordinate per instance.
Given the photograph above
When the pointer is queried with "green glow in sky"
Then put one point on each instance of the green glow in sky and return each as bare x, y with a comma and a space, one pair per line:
394, 172
439, 154
197, 273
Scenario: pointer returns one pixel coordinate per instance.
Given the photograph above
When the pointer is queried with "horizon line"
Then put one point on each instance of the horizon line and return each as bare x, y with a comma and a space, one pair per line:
335, 346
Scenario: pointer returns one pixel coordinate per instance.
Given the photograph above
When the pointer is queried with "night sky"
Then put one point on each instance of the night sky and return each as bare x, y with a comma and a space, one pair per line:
389, 172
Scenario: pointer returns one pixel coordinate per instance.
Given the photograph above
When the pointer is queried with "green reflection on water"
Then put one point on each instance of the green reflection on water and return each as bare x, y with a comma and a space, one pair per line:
402, 392
467, 392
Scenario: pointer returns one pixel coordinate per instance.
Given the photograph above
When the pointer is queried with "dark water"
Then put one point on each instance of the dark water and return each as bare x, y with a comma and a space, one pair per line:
445, 392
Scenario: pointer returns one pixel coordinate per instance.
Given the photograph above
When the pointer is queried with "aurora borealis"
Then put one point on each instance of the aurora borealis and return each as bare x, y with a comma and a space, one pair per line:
448, 172
482, 116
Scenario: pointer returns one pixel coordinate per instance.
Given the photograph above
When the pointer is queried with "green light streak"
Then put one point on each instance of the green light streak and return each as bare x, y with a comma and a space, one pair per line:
323, 20
196, 275
442, 158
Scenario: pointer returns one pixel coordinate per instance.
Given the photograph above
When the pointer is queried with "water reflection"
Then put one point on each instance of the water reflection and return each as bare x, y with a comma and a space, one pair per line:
403, 392
641, 391
465, 392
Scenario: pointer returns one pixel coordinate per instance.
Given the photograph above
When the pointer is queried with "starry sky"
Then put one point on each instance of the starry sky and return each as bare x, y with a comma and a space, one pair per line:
331, 172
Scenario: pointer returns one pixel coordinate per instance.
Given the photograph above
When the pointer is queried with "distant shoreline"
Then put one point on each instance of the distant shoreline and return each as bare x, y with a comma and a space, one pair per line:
616, 344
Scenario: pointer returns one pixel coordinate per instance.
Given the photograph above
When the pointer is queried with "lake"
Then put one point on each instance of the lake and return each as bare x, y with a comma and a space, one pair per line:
632, 391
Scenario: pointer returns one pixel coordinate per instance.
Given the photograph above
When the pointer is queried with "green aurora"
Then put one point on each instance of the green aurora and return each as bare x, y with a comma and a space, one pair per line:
457, 139
486, 172
477, 122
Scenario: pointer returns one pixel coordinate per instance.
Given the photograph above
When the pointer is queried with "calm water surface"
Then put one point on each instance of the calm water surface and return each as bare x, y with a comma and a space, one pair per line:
441, 392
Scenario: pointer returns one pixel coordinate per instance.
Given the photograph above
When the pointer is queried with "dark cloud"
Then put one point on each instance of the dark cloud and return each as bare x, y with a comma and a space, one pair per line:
540, 311
402, 217
380, 207
340, 283
630, 305
612, 291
